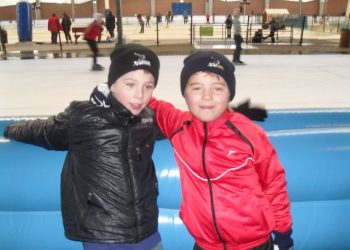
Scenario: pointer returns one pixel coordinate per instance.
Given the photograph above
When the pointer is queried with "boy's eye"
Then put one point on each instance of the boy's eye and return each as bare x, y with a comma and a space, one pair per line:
196, 88
150, 86
218, 89
130, 84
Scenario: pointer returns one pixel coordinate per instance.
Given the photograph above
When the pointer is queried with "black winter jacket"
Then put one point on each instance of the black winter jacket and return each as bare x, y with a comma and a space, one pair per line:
108, 183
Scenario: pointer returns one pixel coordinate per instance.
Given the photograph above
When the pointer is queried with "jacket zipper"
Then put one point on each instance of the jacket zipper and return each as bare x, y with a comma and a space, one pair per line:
131, 185
210, 186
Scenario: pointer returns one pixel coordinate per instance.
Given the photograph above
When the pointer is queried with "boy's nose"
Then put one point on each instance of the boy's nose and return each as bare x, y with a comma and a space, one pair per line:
139, 93
207, 94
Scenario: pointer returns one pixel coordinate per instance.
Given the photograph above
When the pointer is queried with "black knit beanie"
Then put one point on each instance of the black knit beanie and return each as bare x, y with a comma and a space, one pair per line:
209, 61
130, 57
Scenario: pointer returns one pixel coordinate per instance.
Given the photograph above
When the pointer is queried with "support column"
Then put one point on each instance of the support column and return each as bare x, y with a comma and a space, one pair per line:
106, 4
210, 7
152, 7
267, 4
73, 11
347, 13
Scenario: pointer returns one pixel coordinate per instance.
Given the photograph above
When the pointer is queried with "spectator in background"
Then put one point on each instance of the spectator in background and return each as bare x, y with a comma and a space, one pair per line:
167, 18
237, 37
3, 39
159, 18
258, 36
110, 24
141, 22
148, 18
66, 23
228, 26
54, 27
92, 32
185, 16
207, 16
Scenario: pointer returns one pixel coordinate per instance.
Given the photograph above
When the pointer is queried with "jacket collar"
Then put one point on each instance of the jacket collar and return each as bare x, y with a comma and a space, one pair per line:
122, 113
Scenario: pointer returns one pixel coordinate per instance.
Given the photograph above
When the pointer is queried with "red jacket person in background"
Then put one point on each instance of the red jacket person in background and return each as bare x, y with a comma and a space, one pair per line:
54, 27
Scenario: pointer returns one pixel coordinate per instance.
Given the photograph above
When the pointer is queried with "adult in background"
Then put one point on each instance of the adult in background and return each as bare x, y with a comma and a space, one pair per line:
228, 26
273, 28
110, 24
54, 27
3, 39
66, 24
237, 37
141, 22
92, 32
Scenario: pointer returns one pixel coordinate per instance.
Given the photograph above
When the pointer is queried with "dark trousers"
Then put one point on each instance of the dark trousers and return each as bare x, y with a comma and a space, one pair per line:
268, 245
93, 46
272, 35
237, 53
228, 30
111, 32
67, 35
54, 37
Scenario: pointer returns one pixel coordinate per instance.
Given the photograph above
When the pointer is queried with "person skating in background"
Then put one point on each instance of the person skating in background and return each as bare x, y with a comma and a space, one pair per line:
54, 27
273, 28
109, 186
66, 24
110, 24
237, 37
93, 32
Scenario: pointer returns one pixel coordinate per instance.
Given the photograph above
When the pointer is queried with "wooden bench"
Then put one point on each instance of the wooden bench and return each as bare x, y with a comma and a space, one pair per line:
79, 31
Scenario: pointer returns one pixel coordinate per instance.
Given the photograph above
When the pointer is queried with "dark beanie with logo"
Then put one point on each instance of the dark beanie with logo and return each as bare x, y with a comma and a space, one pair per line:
209, 61
130, 57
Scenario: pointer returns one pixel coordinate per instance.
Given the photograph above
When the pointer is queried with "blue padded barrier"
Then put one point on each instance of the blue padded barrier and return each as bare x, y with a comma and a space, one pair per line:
306, 118
317, 162
313, 146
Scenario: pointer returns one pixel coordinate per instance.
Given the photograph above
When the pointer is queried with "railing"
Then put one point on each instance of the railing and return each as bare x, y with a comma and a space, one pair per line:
218, 33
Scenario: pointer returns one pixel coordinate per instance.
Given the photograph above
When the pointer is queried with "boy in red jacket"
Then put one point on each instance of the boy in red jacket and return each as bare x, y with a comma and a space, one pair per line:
92, 32
234, 193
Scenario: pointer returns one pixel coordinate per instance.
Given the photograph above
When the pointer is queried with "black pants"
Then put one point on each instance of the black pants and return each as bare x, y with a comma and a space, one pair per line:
93, 46
67, 35
111, 32
237, 52
54, 37
268, 245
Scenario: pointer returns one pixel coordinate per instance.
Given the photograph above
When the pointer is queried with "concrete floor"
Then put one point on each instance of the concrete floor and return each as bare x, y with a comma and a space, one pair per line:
47, 86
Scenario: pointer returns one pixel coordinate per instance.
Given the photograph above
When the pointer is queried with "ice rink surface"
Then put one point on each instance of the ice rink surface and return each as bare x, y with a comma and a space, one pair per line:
47, 86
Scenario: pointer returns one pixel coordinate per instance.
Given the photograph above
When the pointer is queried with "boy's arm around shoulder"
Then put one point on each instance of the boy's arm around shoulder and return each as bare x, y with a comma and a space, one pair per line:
50, 133
168, 117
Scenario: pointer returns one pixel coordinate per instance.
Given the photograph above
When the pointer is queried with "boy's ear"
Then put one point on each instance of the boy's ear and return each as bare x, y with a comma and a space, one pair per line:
255, 113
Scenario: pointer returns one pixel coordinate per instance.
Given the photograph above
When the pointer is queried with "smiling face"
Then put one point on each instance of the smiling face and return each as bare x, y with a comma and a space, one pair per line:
206, 95
134, 90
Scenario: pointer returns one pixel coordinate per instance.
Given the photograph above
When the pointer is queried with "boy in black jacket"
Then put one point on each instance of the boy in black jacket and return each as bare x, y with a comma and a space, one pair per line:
109, 185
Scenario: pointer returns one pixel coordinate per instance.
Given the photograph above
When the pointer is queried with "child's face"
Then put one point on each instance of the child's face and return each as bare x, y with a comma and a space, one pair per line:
134, 90
207, 95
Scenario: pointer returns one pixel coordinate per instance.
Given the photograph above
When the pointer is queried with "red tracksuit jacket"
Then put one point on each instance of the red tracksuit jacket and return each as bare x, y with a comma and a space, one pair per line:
233, 185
